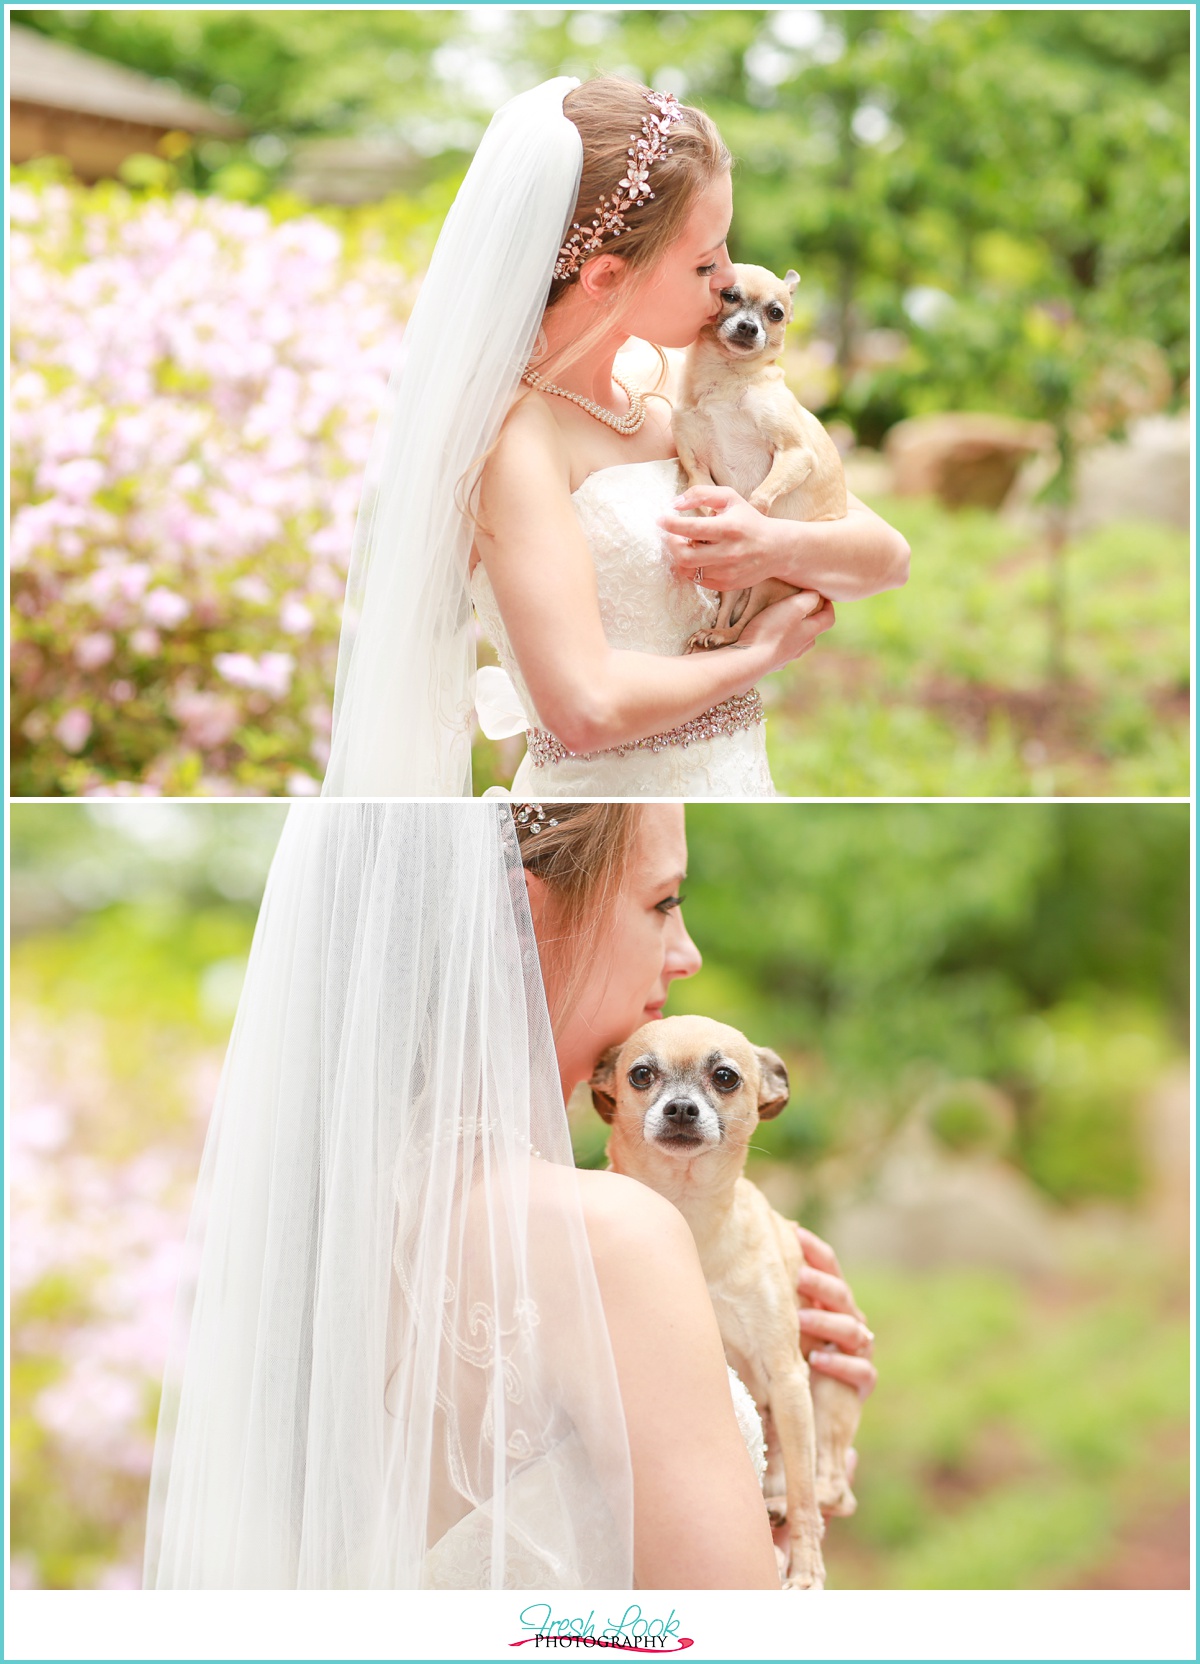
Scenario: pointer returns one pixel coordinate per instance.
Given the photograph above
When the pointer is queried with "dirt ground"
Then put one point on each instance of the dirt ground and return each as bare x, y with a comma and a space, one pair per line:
1155, 1553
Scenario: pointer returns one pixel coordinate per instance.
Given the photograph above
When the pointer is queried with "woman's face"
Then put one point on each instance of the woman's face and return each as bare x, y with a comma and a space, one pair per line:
642, 949
682, 291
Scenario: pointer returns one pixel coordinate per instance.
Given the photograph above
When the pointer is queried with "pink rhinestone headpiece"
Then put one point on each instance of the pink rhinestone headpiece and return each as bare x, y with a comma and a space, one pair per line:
630, 192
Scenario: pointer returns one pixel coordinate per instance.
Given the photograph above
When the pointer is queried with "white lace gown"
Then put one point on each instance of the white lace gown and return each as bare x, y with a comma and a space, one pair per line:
645, 608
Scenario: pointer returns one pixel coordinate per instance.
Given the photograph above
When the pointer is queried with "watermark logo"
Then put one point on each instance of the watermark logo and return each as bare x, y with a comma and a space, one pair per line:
633, 1631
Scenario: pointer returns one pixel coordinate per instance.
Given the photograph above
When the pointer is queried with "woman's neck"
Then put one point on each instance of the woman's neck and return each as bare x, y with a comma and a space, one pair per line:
591, 374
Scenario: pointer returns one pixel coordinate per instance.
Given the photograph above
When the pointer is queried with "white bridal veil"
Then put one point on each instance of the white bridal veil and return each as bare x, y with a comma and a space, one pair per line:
406, 662
390, 1365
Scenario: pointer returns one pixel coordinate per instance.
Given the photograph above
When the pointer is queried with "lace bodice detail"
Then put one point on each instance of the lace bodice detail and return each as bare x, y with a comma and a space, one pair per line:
644, 608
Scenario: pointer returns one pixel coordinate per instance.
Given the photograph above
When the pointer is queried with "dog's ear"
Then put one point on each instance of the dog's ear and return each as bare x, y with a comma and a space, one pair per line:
773, 1086
603, 1084
792, 279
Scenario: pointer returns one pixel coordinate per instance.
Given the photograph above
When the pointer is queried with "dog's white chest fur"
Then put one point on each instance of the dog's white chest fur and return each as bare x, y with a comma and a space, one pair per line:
736, 451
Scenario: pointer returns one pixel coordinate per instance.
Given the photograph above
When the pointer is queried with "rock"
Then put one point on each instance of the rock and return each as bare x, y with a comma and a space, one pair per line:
868, 474
964, 458
1146, 477
929, 1208
1133, 380
1167, 1131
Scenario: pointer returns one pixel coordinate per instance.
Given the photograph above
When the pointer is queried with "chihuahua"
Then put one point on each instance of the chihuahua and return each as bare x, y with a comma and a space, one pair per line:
683, 1096
737, 424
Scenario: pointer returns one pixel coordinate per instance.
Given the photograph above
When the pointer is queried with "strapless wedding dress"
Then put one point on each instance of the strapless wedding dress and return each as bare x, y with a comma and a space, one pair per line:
645, 608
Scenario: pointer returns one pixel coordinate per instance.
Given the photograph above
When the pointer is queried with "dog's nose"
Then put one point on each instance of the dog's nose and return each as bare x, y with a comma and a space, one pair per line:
748, 328
680, 1111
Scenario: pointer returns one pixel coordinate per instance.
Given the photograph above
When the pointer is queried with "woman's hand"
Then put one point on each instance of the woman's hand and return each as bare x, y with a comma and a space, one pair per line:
787, 629
844, 560
833, 1325
711, 526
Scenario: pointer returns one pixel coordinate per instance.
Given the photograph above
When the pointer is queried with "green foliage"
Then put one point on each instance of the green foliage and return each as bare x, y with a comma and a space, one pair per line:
963, 1119
1087, 1063
1017, 1433
882, 948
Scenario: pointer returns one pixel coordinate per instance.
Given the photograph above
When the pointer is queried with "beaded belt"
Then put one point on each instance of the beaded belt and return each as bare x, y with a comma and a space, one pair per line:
744, 710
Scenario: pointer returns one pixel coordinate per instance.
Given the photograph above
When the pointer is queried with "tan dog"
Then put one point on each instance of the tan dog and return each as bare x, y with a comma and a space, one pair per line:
683, 1096
736, 424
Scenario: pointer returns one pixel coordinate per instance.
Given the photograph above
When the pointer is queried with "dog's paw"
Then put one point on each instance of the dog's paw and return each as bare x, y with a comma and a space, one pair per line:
704, 640
805, 1577
760, 501
834, 1496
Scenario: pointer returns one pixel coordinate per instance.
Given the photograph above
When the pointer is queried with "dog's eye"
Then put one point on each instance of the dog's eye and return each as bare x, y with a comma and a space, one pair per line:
775, 313
729, 296
641, 1076
726, 1080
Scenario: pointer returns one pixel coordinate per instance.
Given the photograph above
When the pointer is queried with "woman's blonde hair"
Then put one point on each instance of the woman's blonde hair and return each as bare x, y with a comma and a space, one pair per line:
607, 111
583, 862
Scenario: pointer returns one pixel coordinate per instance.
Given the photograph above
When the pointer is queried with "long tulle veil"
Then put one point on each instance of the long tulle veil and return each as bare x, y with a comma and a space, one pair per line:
406, 661
390, 1365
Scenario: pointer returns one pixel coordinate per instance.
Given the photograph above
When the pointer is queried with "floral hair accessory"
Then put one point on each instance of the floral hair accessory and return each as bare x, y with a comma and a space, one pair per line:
531, 817
631, 191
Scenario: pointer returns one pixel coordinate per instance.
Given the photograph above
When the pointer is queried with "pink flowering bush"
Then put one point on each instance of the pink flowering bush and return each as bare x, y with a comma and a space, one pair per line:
195, 384
97, 1243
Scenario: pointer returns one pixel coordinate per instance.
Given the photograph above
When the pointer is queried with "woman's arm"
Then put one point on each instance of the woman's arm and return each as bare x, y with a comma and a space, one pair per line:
844, 560
698, 1515
589, 694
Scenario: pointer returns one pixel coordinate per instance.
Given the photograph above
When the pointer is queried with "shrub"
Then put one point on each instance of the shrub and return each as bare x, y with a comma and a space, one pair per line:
195, 385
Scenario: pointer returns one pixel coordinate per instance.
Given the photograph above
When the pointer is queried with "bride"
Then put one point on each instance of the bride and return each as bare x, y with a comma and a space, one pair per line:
518, 468
416, 1348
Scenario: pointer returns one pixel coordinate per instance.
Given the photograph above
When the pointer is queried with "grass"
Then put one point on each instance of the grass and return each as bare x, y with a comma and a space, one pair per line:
1021, 1429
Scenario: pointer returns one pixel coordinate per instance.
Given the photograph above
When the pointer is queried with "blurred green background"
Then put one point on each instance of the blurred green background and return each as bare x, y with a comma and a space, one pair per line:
990, 212
984, 1011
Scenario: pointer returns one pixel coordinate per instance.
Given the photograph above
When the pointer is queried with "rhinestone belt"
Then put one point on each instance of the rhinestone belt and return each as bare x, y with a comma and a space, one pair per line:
744, 710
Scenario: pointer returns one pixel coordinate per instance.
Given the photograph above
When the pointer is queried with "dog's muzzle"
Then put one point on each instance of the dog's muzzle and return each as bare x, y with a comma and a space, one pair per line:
743, 332
682, 1121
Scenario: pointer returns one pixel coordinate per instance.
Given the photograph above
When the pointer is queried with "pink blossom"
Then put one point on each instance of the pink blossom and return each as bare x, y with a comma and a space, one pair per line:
165, 608
128, 579
91, 651
270, 673
78, 479
194, 391
73, 729
253, 589
208, 719
295, 617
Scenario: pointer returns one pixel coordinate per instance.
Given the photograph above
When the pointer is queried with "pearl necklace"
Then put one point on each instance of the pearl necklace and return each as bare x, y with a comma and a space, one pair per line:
627, 424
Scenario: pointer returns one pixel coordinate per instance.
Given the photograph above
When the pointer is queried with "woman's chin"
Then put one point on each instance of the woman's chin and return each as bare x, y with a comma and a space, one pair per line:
676, 340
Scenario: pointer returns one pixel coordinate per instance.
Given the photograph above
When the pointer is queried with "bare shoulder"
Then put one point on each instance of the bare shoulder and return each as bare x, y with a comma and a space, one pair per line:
530, 445
625, 1207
